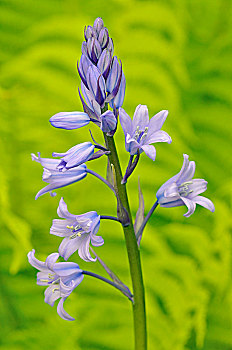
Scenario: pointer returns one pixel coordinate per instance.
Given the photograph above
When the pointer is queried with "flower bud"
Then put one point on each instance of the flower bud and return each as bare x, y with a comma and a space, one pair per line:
94, 49
98, 24
104, 63
108, 122
96, 84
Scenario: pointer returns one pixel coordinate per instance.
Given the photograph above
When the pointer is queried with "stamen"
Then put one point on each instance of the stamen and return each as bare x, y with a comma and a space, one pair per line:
70, 227
77, 234
54, 289
184, 188
44, 280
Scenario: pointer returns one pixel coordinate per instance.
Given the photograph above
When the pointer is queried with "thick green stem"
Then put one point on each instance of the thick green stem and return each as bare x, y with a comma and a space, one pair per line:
139, 313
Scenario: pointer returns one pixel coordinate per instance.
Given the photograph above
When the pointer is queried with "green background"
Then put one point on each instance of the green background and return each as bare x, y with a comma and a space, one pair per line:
176, 55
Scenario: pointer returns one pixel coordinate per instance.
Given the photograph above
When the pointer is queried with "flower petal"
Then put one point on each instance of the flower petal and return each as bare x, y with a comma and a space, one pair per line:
43, 278
190, 205
62, 313
62, 210
125, 121
48, 163
69, 246
204, 202
150, 151
187, 171
141, 118
157, 136
59, 228
66, 268
51, 259
39, 265
198, 186
161, 190
52, 293
95, 225
97, 241
83, 251
156, 122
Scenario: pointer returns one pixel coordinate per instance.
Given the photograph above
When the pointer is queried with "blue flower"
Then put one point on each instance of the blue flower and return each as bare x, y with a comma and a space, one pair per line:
182, 189
75, 156
55, 177
69, 120
61, 279
141, 132
78, 230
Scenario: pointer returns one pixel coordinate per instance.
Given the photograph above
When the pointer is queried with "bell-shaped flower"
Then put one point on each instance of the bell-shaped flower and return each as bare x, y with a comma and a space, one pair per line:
75, 156
69, 120
182, 189
141, 132
78, 231
61, 278
56, 178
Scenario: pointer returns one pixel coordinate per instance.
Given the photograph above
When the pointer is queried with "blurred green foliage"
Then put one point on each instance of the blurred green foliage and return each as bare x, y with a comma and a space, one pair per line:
176, 55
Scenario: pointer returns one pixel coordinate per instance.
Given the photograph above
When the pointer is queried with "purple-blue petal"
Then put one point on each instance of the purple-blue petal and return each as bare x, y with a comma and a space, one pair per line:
62, 313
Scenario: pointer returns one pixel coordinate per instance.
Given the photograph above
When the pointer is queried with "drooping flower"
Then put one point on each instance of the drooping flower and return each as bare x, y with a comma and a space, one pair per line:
69, 120
141, 132
78, 231
75, 156
55, 177
61, 278
182, 189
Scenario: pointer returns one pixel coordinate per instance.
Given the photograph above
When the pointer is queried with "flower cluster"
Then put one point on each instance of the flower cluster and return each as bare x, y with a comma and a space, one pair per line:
103, 85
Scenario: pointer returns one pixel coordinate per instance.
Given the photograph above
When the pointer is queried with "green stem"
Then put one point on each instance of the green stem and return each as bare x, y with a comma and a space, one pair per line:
139, 312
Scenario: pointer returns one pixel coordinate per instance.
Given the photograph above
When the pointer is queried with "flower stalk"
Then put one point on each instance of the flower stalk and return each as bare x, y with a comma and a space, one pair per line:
139, 312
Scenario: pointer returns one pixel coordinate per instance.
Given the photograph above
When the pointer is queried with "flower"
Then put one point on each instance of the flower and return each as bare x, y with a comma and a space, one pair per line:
61, 278
182, 189
55, 177
141, 132
69, 120
78, 230
75, 156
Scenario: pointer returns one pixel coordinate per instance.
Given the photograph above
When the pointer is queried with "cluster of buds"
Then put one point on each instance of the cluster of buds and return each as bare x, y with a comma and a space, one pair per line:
102, 78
